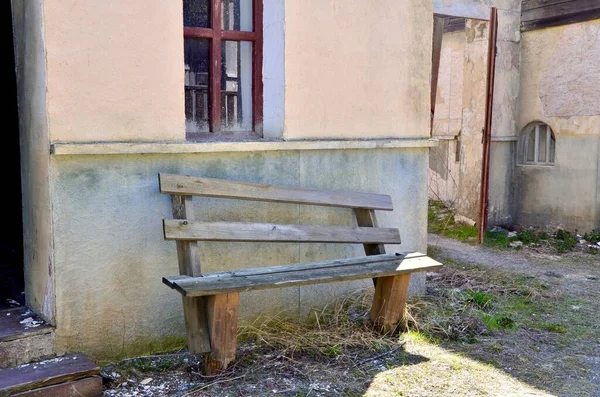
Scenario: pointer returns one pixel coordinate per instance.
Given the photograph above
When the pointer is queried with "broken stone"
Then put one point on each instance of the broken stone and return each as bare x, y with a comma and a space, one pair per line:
146, 381
511, 234
516, 244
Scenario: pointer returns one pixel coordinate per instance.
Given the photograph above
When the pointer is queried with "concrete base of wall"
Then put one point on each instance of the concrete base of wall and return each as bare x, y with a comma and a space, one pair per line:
110, 255
565, 194
500, 192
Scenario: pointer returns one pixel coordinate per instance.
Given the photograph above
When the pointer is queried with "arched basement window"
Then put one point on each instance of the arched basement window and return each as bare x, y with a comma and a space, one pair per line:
539, 144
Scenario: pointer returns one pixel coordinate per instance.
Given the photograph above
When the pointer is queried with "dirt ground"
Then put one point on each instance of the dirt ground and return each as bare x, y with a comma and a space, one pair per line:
494, 322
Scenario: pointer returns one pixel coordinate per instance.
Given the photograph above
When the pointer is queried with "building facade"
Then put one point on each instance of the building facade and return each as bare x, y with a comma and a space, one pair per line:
545, 150
112, 93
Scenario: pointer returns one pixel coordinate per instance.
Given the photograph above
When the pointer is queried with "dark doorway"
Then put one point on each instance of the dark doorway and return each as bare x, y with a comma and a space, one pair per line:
11, 234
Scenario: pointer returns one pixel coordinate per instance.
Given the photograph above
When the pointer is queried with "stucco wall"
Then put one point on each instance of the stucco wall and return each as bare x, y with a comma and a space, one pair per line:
356, 69
110, 253
108, 72
449, 96
473, 122
114, 73
444, 170
116, 76
35, 155
506, 90
560, 76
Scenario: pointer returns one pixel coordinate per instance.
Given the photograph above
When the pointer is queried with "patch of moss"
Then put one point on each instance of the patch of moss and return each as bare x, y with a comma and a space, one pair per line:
141, 347
559, 329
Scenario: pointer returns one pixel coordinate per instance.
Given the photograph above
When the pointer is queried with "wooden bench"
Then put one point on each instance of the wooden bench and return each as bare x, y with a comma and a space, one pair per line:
211, 300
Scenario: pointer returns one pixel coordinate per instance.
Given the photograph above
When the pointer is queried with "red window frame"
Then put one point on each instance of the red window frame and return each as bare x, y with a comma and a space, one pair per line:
216, 34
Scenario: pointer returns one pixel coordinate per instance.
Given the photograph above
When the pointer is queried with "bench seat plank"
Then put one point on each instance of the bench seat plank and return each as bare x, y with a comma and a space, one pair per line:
303, 274
208, 187
176, 229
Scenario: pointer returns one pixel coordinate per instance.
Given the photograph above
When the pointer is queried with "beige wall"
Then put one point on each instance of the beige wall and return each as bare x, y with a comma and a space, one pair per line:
35, 156
114, 70
449, 96
352, 70
444, 170
357, 69
460, 107
560, 76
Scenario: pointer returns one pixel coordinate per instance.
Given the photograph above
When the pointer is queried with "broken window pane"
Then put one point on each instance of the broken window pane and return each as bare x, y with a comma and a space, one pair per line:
530, 146
197, 100
196, 13
542, 144
236, 86
236, 15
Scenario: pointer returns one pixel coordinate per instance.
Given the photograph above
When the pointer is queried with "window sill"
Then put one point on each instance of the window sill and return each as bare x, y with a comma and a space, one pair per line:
542, 165
103, 148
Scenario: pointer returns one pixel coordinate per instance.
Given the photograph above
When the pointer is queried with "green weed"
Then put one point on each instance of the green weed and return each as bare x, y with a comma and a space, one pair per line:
565, 241
559, 329
592, 237
480, 298
495, 322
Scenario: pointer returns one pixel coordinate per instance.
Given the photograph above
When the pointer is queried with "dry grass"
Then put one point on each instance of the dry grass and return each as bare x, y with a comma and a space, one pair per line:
334, 331
477, 331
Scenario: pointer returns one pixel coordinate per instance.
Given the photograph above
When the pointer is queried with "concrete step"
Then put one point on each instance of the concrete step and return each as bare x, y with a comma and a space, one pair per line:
24, 337
66, 376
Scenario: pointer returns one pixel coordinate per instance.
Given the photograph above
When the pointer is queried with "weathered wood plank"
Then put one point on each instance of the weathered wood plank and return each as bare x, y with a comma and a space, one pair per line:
265, 232
367, 218
46, 373
187, 251
538, 14
527, 5
196, 325
389, 302
187, 185
560, 9
222, 313
454, 24
308, 273
86, 387
194, 312
11, 327
363, 260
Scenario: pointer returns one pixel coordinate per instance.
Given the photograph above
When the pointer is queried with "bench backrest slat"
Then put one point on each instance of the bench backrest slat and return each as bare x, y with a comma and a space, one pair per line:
193, 186
175, 229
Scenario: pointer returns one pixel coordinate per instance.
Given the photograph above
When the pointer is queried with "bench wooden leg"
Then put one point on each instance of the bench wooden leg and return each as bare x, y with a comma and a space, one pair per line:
389, 302
194, 313
222, 316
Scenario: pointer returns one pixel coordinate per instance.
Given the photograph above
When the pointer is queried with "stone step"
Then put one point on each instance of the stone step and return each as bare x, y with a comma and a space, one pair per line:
69, 375
24, 337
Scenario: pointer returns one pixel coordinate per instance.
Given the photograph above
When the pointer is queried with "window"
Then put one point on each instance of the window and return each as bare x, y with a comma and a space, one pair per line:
538, 144
457, 147
223, 67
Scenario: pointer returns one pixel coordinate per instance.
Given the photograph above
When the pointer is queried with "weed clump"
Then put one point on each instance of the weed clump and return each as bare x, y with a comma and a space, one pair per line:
467, 301
332, 332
